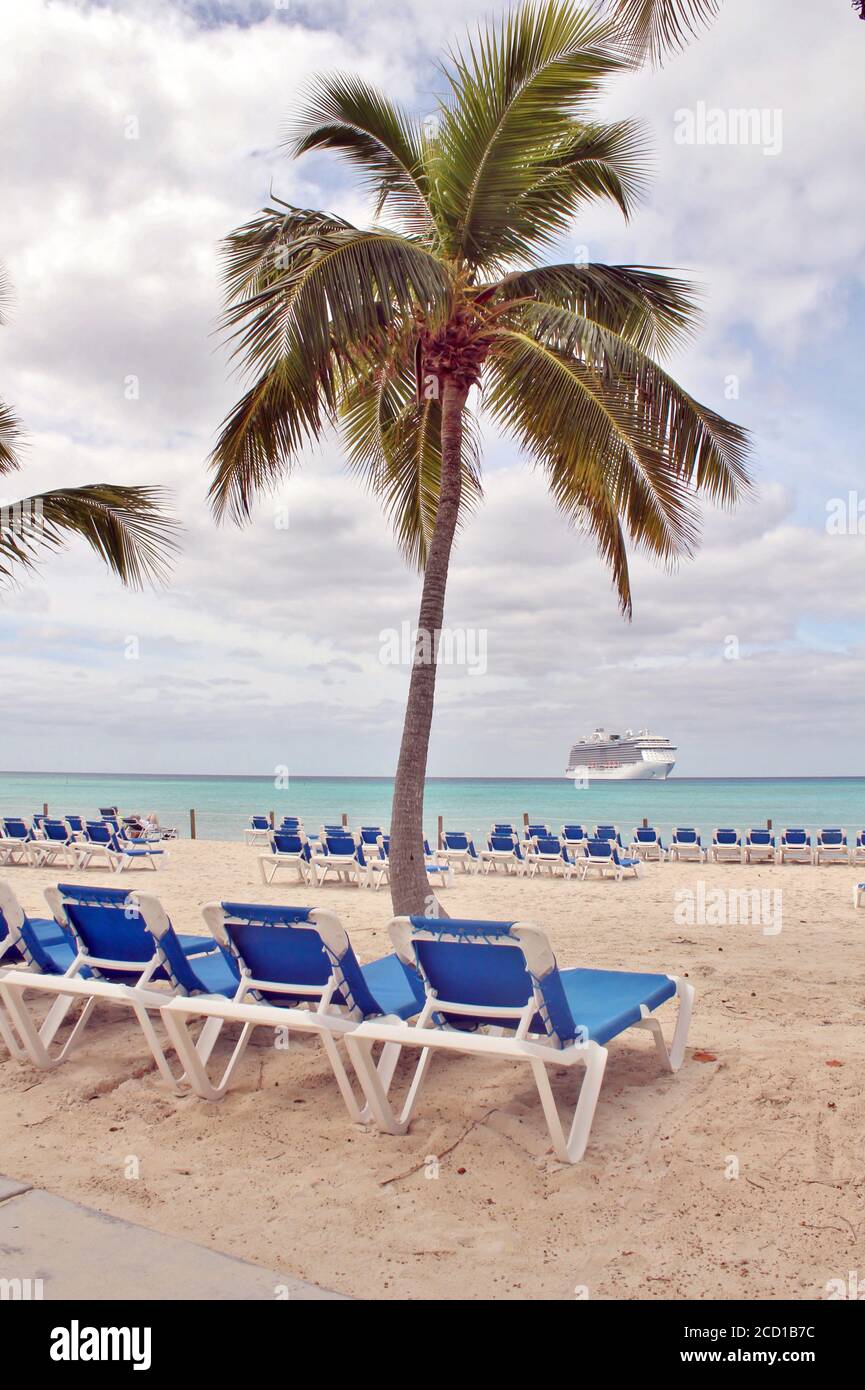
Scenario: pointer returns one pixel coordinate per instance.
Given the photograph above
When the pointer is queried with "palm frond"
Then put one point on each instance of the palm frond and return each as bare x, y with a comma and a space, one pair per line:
10, 432
659, 27
345, 114
616, 442
647, 306
126, 526
514, 95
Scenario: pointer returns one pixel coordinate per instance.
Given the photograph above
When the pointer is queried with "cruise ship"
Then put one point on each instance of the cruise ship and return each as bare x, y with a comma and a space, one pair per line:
627, 757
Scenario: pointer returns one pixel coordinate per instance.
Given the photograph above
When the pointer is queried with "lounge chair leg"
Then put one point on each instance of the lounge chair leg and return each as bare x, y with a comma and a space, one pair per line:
158, 1052
377, 1103
8, 1036
343, 1080
37, 1041
572, 1149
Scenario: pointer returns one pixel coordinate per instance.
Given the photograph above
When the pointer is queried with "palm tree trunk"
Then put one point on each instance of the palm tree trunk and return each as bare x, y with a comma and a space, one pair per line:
410, 890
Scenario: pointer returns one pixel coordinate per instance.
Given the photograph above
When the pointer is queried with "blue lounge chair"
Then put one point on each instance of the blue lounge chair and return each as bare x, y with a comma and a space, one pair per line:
535, 828
608, 832
503, 851
378, 866
503, 828
504, 976
101, 841
686, 844
337, 854
759, 846
16, 842
647, 843
38, 944
832, 846
369, 838
54, 843
298, 973
604, 857
859, 848
795, 846
114, 960
459, 849
287, 851
547, 854
258, 830
726, 846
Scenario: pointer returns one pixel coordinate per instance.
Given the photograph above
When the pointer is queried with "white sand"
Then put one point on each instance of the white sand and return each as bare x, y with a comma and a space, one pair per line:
276, 1174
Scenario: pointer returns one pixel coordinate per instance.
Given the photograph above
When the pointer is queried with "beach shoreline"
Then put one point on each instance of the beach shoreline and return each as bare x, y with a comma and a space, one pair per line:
739, 1177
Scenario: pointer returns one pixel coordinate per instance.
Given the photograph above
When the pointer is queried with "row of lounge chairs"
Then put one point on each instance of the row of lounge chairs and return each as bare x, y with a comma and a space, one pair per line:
479, 988
73, 842
338, 855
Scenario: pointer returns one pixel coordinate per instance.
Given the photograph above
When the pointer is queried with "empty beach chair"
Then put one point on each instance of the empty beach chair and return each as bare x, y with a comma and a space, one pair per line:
686, 844
40, 945
858, 856
101, 843
831, 846
548, 855
298, 973
116, 960
604, 857
502, 852
647, 843
16, 842
369, 836
339, 856
287, 851
54, 845
503, 828
608, 832
759, 846
726, 846
258, 831
504, 976
438, 870
459, 849
535, 828
795, 846
292, 823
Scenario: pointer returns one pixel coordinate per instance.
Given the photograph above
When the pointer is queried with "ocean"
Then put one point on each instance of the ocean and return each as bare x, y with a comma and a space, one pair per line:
223, 804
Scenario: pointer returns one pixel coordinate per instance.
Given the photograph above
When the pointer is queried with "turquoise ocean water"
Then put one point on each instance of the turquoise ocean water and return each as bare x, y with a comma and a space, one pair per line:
224, 804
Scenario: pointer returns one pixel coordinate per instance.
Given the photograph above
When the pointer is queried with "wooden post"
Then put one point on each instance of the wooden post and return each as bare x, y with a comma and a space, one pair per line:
525, 820
45, 808
645, 823
769, 824
440, 839
345, 819
192, 825
272, 815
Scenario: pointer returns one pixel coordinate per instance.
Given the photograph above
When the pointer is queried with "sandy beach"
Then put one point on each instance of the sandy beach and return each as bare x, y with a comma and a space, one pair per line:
740, 1177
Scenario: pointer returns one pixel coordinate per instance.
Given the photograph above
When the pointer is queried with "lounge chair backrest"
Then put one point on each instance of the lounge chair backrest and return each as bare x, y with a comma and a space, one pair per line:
16, 828
573, 832
457, 840
548, 844
646, 835
259, 823
599, 849
832, 835
75, 823
533, 829
795, 835
175, 964
287, 842
56, 830
759, 836
292, 954
504, 844
107, 811
99, 833
686, 835
107, 926
605, 832
369, 834
499, 965
726, 836
343, 845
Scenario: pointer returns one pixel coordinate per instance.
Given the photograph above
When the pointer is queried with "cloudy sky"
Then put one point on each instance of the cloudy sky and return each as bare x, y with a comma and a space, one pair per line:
267, 648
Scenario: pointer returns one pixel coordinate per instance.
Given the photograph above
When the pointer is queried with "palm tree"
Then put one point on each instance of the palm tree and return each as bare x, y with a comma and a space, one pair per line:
383, 333
658, 27
125, 525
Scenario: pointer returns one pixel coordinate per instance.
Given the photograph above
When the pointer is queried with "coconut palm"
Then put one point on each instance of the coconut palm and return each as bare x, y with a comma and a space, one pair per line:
384, 333
125, 525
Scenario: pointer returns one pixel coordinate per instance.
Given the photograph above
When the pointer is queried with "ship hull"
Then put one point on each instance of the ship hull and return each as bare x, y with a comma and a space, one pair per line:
627, 772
